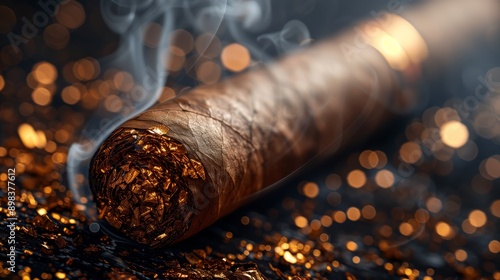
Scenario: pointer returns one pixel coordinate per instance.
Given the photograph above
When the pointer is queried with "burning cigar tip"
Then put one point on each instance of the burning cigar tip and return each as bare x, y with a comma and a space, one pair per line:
140, 180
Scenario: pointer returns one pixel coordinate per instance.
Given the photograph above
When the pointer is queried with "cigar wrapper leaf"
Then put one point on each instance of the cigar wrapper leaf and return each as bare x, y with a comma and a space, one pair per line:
182, 164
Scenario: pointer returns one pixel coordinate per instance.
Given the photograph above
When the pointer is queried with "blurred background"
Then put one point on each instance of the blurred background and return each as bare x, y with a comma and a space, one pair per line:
418, 200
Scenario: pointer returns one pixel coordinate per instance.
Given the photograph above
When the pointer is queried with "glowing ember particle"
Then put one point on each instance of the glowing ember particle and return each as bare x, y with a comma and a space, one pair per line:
353, 214
460, 255
356, 178
289, 257
454, 134
301, 221
444, 230
351, 246
44, 73
310, 189
384, 178
477, 218
406, 229
494, 246
235, 57
41, 96
495, 208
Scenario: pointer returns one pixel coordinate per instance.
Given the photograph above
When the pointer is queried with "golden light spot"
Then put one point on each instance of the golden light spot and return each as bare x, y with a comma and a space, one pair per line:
410, 152
422, 216
235, 57
229, 235
494, 246
44, 73
152, 35
316, 253
279, 251
61, 136
41, 211
324, 237
2, 82
86, 69
41, 96
208, 72
3, 151
388, 266
467, 227
245, 220
310, 189
398, 41
364, 159
356, 259
123, 81
289, 257
492, 166
384, 178
444, 230
382, 159
370, 159
353, 214
60, 275
406, 229
59, 158
339, 217
444, 115
356, 178
301, 221
30, 137
477, 218
454, 134
460, 255
495, 208
434, 204
351, 246
373, 160
71, 14
326, 221
315, 224
71, 95
47, 190
369, 212
113, 103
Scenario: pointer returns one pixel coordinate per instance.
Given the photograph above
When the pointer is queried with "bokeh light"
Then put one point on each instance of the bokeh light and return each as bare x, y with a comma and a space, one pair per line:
235, 57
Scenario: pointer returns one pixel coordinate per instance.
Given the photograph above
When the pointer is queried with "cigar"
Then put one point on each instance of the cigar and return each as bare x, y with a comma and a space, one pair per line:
182, 164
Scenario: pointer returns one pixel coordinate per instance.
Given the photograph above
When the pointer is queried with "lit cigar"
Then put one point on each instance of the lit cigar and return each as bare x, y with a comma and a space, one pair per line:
181, 165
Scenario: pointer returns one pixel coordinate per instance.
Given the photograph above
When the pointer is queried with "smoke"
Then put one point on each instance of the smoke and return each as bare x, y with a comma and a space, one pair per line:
268, 29
137, 70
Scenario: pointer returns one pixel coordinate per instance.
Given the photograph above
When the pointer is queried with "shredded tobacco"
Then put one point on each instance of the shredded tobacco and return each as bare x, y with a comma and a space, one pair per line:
139, 178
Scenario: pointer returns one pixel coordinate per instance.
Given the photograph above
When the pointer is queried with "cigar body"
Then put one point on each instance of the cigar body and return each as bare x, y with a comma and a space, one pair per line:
179, 166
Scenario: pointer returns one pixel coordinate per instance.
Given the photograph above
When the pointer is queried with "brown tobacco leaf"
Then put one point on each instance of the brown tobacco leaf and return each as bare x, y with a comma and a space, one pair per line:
140, 179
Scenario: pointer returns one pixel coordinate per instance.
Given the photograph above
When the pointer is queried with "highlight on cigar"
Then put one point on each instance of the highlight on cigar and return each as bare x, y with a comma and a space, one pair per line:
179, 166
